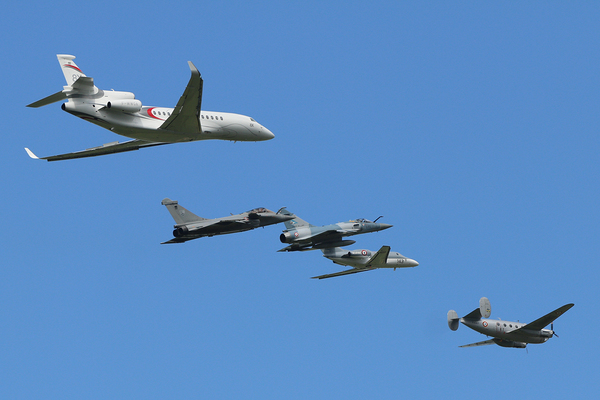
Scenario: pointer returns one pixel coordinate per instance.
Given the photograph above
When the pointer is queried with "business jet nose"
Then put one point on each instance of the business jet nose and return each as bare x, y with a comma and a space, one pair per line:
266, 134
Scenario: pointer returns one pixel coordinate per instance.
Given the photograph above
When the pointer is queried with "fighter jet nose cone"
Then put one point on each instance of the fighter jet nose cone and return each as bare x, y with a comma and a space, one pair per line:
413, 263
385, 226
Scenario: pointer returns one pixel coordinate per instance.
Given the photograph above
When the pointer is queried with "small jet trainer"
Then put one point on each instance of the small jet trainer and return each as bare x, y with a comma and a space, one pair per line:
506, 333
190, 226
122, 113
303, 236
365, 260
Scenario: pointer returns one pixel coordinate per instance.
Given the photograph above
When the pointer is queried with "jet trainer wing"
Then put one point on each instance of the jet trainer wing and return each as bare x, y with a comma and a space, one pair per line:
380, 258
108, 148
186, 115
544, 321
347, 272
484, 343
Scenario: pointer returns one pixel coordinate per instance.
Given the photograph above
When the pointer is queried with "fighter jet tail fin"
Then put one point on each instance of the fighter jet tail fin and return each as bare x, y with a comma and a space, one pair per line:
180, 214
293, 223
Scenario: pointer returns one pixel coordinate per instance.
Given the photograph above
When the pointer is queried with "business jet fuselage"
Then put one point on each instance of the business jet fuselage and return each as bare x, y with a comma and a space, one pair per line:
122, 113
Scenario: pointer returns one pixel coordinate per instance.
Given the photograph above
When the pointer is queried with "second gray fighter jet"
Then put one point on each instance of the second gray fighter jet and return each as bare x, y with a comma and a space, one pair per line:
304, 236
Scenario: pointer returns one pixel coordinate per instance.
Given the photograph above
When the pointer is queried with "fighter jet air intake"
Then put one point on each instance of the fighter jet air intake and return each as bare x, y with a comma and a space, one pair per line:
122, 113
190, 226
506, 333
304, 236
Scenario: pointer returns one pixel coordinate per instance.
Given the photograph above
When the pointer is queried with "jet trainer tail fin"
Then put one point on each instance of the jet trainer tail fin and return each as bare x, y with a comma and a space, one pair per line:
180, 214
69, 68
293, 223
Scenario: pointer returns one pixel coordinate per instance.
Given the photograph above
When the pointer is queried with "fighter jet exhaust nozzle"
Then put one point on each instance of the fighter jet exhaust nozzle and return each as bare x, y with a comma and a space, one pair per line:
181, 231
286, 237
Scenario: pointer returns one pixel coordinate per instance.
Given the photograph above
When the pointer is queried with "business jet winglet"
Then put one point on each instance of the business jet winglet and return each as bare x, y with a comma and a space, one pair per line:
122, 113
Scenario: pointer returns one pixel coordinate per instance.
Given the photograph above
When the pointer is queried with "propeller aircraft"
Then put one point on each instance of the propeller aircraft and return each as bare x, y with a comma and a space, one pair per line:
506, 333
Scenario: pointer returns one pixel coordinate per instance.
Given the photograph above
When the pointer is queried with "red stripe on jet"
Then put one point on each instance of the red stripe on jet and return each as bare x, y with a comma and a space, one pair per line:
74, 67
152, 115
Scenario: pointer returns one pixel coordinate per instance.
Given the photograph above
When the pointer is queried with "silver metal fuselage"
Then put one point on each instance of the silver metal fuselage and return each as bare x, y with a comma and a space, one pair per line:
502, 330
360, 258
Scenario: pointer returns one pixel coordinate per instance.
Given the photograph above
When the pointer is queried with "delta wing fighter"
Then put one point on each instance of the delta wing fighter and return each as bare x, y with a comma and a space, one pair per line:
304, 236
190, 226
122, 113
506, 333
365, 260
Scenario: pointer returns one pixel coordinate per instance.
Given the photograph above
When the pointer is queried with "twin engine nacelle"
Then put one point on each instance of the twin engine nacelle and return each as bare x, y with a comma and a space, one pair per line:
508, 343
126, 105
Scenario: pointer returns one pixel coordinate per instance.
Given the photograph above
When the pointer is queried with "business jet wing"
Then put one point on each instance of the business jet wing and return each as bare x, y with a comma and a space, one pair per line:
347, 272
186, 115
544, 321
108, 148
484, 343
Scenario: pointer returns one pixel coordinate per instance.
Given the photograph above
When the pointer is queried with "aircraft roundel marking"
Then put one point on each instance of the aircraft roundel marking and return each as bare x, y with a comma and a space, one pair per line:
363, 252
296, 234
485, 324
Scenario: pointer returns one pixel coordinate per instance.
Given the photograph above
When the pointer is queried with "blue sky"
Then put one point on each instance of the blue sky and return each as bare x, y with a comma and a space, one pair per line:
471, 127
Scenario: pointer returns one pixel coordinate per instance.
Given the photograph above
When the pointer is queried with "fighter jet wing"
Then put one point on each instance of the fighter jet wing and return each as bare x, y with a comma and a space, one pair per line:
544, 321
179, 240
186, 115
329, 234
108, 148
484, 343
347, 272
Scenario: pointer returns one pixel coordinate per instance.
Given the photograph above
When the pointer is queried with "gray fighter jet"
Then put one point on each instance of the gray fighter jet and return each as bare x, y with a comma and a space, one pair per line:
506, 333
304, 236
365, 260
190, 226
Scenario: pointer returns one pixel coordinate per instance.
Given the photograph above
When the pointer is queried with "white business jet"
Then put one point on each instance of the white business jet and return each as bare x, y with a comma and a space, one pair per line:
122, 113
